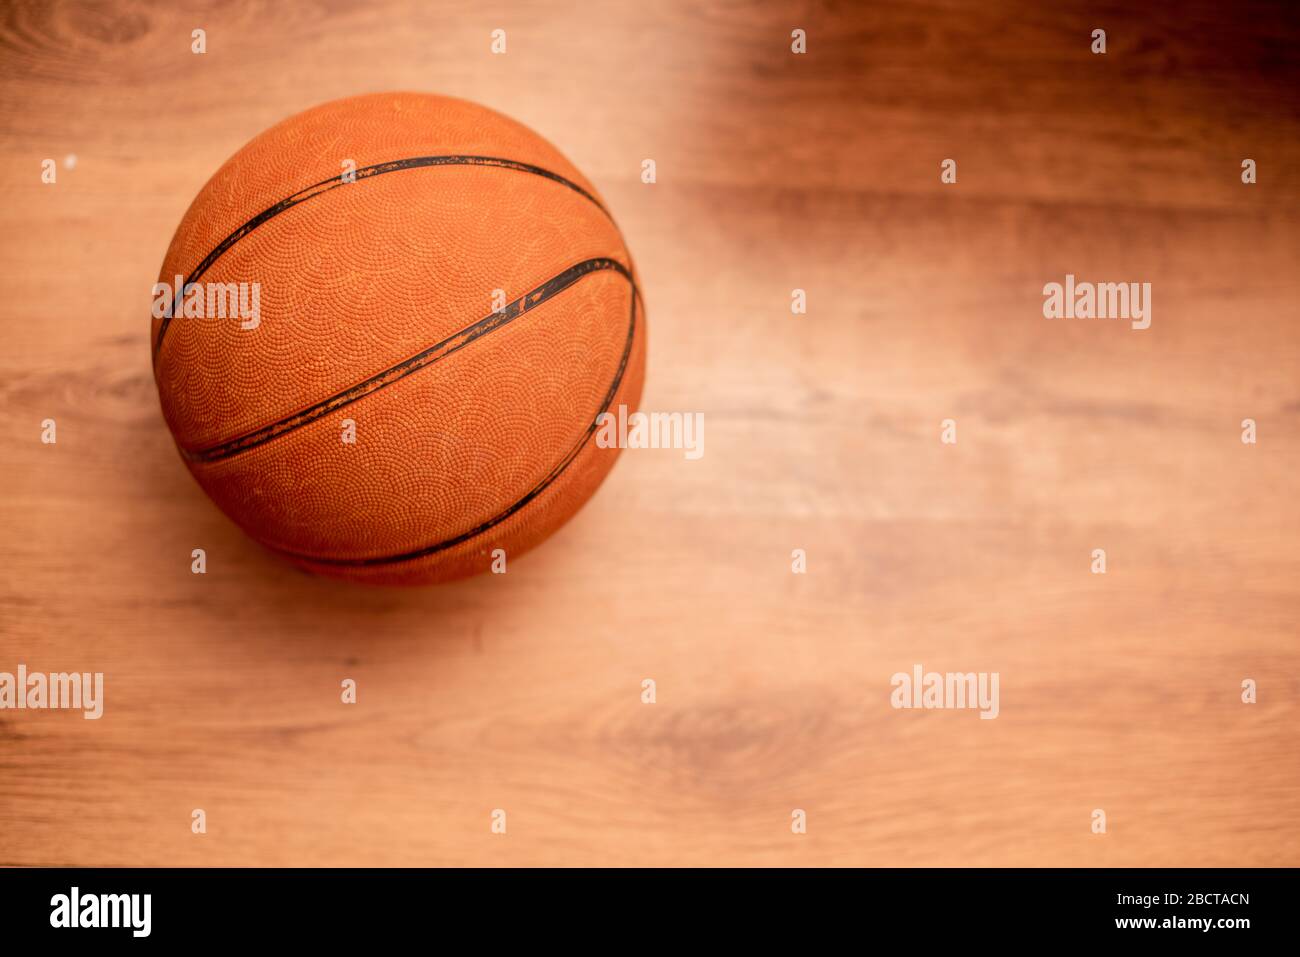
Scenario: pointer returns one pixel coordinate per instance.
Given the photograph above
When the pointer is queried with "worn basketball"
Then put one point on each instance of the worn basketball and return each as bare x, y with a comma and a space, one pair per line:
384, 333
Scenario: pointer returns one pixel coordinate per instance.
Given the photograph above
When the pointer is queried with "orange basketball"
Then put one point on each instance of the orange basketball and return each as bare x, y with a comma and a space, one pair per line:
383, 334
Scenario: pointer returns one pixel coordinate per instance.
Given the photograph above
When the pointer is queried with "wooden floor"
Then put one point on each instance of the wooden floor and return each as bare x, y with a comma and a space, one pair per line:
522, 692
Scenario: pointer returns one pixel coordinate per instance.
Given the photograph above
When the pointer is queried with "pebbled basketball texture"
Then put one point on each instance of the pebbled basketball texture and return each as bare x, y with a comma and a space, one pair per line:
474, 425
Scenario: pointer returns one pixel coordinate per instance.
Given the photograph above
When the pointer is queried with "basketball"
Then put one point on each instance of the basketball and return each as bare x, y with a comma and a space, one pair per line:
384, 332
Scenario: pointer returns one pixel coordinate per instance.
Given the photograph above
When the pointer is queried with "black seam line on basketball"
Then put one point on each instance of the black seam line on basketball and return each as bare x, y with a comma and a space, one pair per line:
536, 490
365, 172
421, 360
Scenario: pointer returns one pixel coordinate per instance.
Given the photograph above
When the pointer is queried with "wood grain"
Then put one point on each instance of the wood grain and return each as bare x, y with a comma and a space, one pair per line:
775, 172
